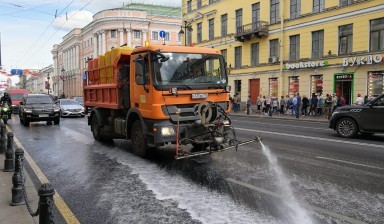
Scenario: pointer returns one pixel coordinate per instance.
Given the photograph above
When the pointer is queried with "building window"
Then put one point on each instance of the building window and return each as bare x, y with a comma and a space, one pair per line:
317, 84
189, 6
224, 53
211, 29
255, 15
346, 2
136, 34
294, 48
274, 48
238, 57
199, 34
273, 87
375, 83
255, 54
293, 85
239, 21
198, 4
224, 25
318, 6
113, 33
167, 36
155, 35
295, 9
274, 14
317, 44
345, 39
377, 35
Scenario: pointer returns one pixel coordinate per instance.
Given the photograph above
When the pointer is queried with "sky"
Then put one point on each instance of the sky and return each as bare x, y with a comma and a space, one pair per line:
30, 28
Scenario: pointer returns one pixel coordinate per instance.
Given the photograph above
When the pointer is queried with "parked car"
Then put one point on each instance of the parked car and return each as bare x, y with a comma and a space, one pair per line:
70, 108
368, 119
38, 107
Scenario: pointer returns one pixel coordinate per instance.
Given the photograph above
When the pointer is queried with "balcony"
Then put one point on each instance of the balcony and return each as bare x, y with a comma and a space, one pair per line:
257, 29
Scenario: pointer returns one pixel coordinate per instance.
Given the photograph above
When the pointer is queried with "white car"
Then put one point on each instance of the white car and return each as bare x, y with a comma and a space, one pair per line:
70, 108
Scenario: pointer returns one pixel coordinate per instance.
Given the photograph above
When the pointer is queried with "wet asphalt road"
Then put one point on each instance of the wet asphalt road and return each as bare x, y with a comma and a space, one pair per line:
332, 178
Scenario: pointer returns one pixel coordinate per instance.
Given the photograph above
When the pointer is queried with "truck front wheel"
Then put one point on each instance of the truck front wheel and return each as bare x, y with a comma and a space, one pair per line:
139, 144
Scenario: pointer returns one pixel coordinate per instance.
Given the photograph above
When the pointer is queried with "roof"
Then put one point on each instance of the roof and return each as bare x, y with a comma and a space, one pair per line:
153, 9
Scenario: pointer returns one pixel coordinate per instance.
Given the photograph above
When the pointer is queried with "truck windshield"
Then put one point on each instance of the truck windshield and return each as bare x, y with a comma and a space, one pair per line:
193, 71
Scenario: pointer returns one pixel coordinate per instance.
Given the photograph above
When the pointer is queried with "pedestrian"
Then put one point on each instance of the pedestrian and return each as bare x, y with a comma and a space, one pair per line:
359, 100
304, 106
282, 105
328, 106
268, 105
294, 105
298, 105
366, 99
248, 105
342, 101
234, 103
313, 108
288, 104
320, 105
335, 101
262, 105
258, 103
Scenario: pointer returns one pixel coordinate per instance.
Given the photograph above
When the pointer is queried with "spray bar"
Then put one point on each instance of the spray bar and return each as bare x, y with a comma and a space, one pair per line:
254, 139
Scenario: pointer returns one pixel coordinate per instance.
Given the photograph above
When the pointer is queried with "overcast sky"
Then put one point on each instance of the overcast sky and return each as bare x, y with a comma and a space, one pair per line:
29, 28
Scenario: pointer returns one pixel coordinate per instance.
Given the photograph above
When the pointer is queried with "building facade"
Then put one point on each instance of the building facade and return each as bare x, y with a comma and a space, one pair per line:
131, 25
282, 47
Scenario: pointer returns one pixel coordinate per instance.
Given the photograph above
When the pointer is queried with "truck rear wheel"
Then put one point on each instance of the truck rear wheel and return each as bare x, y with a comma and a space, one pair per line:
96, 128
139, 144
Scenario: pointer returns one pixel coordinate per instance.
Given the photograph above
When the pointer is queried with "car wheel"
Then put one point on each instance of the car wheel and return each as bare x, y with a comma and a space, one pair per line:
56, 121
139, 144
346, 128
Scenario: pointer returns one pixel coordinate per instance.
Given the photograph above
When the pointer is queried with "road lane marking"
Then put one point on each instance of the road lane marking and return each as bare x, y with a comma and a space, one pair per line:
310, 137
282, 125
59, 202
312, 207
343, 161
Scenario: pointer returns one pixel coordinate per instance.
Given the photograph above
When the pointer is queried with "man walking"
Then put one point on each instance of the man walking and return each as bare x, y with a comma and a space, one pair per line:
298, 105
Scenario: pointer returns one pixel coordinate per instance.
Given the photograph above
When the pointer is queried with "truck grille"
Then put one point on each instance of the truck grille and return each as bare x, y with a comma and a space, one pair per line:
187, 111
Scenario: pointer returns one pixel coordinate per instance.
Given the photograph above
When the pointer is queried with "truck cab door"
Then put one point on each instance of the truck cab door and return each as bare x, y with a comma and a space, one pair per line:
141, 90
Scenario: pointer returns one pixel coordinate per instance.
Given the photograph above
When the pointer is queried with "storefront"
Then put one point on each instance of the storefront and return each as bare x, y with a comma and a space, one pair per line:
273, 87
344, 86
375, 83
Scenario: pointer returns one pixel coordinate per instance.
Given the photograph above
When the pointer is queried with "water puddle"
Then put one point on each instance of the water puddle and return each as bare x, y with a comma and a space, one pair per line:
291, 207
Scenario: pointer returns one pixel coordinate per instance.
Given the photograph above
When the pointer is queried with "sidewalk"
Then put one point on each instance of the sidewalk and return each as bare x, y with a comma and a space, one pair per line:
319, 118
16, 214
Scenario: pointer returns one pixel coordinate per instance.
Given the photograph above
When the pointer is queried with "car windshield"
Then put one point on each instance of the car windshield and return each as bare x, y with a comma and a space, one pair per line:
39, 99
69, 102
191, 70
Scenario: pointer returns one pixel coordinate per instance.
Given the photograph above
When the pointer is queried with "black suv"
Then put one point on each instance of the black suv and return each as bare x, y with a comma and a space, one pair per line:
348, 121
38, 107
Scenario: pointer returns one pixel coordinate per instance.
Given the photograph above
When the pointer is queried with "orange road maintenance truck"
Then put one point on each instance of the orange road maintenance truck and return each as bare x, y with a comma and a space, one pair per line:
158, 95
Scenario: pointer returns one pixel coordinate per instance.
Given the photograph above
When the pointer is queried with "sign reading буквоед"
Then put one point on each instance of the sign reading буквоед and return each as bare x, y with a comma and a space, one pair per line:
370, 59
309, 64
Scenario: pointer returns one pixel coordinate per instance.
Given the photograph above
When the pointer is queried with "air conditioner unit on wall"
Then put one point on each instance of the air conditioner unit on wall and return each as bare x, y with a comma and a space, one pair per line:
273, 59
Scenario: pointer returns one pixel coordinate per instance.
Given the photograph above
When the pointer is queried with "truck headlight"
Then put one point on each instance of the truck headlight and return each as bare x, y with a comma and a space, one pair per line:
167, 131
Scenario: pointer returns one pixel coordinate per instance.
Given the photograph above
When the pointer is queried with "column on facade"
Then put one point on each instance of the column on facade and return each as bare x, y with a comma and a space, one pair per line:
94, 42
99, 44
144, 37
121, 35
129, 38
103, 42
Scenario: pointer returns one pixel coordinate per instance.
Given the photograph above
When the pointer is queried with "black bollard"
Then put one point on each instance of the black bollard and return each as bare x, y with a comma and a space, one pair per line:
17, 179
2, 137
9, 165
46, 193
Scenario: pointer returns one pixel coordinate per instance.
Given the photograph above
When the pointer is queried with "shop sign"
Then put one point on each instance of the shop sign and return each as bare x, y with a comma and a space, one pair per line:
370, 59
344, 77
309, 64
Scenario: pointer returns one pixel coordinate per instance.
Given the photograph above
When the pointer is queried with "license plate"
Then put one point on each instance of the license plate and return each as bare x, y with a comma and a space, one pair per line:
44, 115
199, 95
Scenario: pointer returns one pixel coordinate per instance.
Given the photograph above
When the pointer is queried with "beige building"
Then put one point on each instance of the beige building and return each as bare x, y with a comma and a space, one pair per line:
131, 25
281, 47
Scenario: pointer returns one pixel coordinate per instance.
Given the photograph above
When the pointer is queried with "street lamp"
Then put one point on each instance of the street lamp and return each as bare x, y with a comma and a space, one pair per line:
48, 85
62, 78
187, 27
